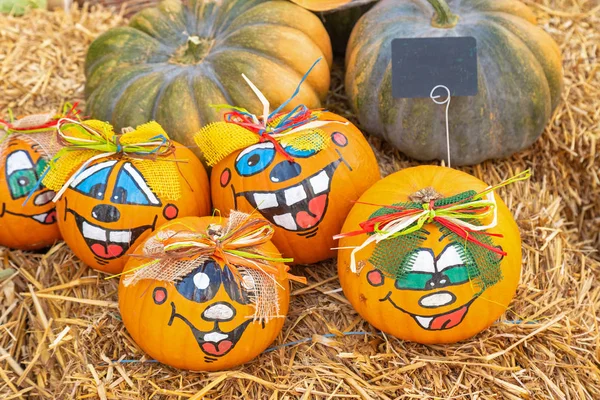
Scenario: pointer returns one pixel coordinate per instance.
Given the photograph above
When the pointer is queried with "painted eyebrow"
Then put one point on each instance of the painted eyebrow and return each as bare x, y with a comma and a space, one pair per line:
265, 145
92, 170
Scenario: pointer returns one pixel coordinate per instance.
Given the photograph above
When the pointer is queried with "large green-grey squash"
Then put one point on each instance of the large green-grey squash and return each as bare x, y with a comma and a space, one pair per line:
174, 61
519, 75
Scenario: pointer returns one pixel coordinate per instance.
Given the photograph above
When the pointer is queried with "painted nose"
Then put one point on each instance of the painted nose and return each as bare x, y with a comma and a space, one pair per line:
106, 213
438, 299
44, 198
219, 312
285, 170
439, 280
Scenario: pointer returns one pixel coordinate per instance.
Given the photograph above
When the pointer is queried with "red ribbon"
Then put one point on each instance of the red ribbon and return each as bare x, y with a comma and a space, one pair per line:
72, 113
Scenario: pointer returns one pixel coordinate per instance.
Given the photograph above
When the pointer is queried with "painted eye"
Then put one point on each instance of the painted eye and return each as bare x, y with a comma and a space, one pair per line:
458, 275
202, 284
20, 173
92, 181
40, 166
452, 256
131, 188
421, 261
201, 280
234, 288
413, 281
255, 159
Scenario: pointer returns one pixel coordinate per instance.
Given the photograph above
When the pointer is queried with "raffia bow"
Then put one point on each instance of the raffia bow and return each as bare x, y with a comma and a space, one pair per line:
175, 253
299, 128
236, 245
462, 218
148, 147
37, 128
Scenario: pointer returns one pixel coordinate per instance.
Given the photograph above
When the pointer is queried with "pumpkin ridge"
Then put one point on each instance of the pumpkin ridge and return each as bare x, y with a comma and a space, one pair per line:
526, 45
546, 67
121, 87
507, 147
208, 71
268, 57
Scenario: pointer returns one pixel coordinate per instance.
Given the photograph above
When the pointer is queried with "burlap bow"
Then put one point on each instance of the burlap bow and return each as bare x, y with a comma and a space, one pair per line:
148, 147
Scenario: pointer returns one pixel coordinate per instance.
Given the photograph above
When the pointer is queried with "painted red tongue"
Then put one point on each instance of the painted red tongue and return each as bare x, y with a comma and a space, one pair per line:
316, 206
110, 251
50, 217
449, 320
217, 349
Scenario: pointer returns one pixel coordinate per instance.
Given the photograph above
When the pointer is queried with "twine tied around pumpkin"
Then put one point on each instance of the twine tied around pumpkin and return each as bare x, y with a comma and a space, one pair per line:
299, 128
461, 216
37, 128
175, 253
147, 146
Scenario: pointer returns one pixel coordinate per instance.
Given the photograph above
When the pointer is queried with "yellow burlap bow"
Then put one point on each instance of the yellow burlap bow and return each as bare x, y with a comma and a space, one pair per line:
148, 147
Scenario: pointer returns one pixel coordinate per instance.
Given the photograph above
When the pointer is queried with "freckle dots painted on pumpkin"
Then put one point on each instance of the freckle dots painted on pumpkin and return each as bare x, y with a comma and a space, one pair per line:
111, 204
422, 259
200, 310
304, 183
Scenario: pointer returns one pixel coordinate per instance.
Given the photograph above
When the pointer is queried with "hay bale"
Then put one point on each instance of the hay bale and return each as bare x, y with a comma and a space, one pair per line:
62, 336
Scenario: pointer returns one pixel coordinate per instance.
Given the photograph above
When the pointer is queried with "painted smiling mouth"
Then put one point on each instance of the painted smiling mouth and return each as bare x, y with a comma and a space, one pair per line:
108, 244
297, 208
214, 343
47, 218
436, 322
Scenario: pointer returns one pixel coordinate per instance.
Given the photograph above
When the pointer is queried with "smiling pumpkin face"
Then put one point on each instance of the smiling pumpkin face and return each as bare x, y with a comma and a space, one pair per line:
109, 207
439, 297
306, 199
204, 321
31, 225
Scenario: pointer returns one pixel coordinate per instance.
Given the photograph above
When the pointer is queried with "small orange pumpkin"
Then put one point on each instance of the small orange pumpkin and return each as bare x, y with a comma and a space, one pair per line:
306, 193
201, 307
115, 201
24, 225
443, 282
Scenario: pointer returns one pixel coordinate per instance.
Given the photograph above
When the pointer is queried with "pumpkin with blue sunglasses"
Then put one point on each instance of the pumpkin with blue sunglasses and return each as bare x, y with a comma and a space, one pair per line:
110, 203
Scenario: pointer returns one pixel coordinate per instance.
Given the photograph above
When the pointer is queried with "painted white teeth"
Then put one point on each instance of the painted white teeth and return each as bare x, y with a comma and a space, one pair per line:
265, 200
40, 217
119, 236
214, 337
294, 195
93, 232
320, 183
424, 321
285, 221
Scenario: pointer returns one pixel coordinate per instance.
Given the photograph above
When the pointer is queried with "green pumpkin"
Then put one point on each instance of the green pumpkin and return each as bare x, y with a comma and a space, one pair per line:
519, 75
174, 62
339, 24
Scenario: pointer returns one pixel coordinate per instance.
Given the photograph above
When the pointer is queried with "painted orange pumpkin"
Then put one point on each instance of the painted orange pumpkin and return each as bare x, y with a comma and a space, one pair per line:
31, 225
435, 284
111, 205
206, 319
307, 198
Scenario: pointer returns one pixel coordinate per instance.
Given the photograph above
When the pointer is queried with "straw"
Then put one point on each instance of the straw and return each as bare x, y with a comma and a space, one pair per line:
546, 346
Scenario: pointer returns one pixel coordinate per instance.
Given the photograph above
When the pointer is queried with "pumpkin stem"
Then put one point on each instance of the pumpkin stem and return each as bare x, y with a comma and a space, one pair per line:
193, 52
443, 17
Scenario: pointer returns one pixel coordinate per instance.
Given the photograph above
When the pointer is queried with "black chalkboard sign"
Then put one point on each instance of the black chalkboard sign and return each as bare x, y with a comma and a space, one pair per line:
420, 64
